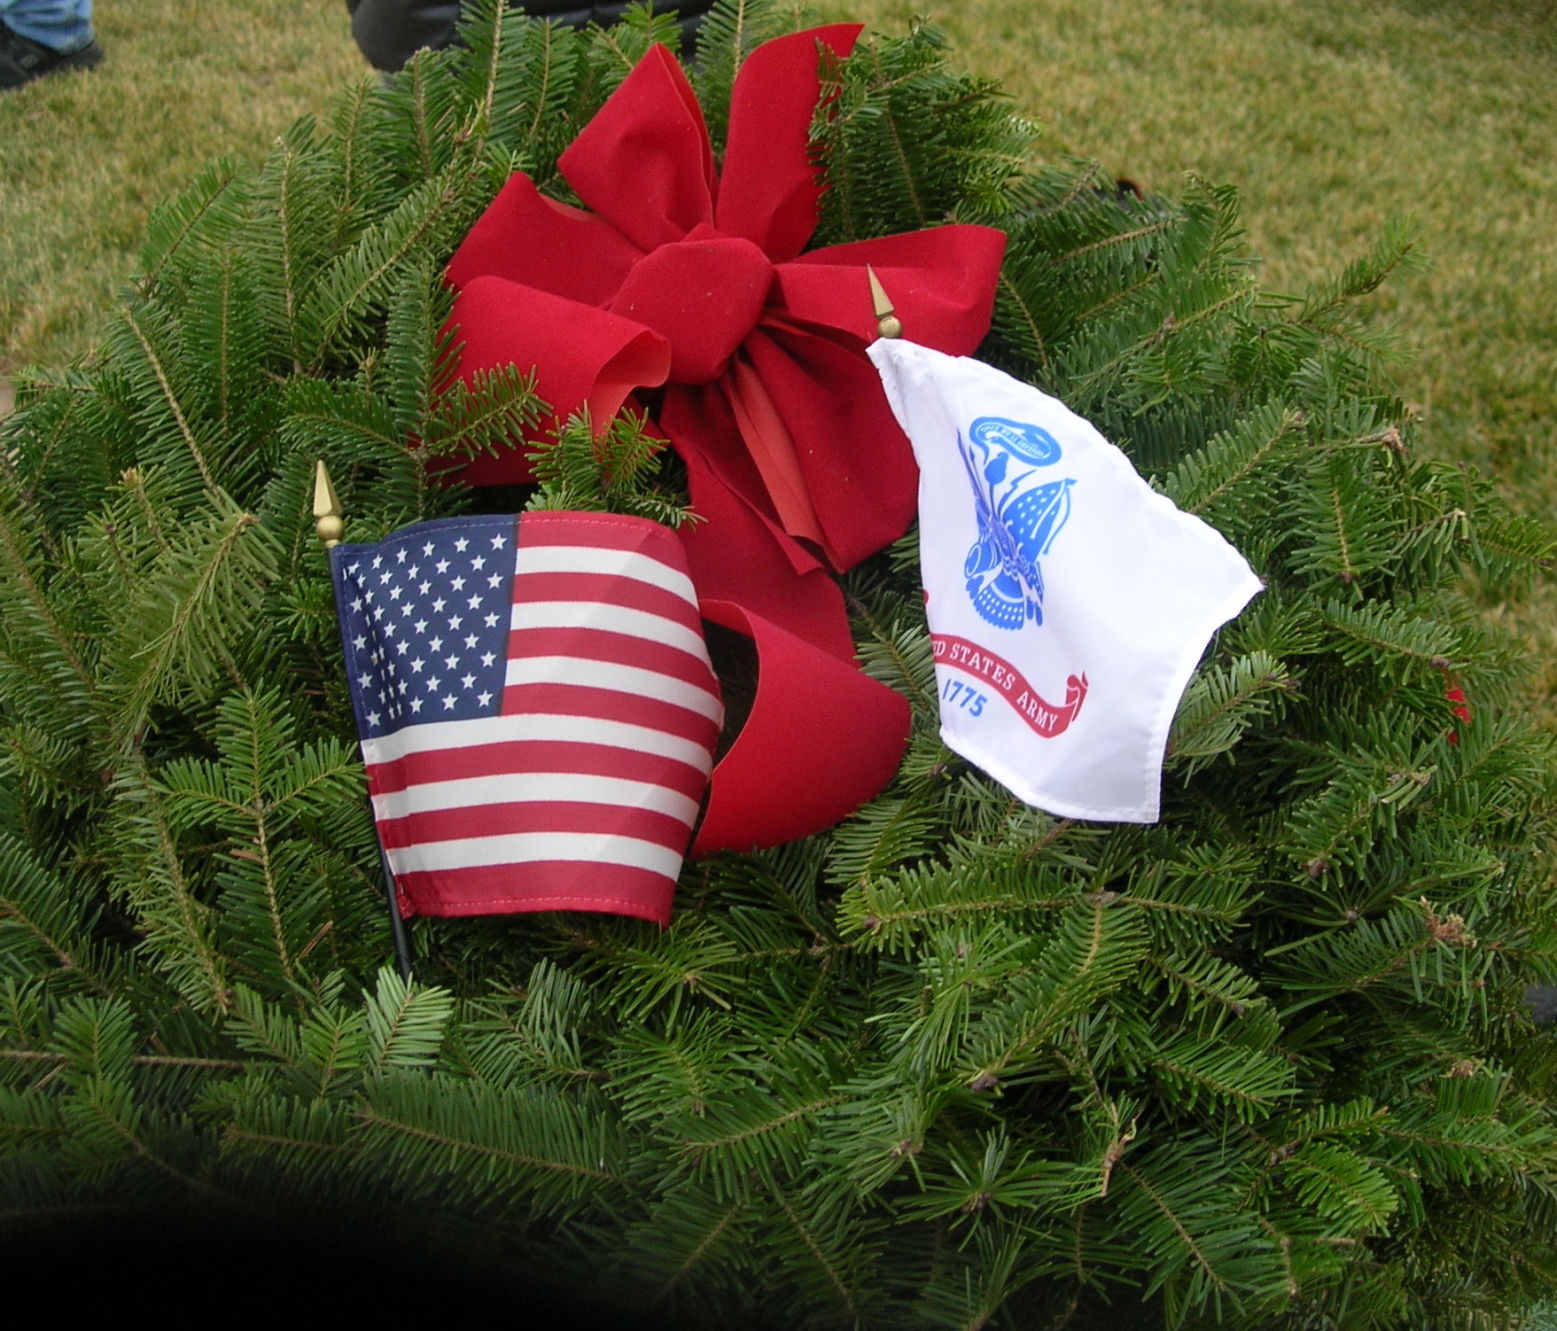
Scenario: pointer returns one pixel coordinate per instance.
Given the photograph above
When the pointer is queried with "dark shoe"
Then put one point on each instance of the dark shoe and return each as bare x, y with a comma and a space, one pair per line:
22, 61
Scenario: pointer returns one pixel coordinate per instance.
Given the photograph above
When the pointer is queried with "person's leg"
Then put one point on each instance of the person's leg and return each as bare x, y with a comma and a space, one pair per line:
39, 37
60, 25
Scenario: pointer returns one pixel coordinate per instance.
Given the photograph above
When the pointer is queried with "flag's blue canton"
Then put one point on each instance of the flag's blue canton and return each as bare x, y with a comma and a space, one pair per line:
425, 616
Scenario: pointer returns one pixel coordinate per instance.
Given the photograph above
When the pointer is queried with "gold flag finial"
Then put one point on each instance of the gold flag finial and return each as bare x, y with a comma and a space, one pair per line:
887, 322
327, 508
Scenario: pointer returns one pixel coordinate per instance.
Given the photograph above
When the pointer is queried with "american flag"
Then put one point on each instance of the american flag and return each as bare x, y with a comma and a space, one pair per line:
536, 709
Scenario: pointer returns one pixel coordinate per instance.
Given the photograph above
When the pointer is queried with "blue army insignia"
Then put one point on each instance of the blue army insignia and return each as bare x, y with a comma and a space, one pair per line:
1019, 516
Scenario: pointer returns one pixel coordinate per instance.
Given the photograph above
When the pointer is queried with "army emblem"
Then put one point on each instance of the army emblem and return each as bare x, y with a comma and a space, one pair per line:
1019, 515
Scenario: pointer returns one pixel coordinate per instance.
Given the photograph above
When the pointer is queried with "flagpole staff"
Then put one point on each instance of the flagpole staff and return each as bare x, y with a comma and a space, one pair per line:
330, 526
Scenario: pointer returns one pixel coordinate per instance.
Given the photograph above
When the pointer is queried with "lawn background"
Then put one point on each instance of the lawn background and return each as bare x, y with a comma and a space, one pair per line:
1330, 116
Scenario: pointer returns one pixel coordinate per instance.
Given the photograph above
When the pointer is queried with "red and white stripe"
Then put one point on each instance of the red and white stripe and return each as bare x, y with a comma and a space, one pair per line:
582, 794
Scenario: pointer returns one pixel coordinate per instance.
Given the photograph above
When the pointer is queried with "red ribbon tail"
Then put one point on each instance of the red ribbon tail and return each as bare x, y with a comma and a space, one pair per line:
822, 738
581, 358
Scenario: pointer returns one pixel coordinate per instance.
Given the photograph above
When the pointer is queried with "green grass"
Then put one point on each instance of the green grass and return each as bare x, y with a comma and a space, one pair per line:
1331, 116
85, 157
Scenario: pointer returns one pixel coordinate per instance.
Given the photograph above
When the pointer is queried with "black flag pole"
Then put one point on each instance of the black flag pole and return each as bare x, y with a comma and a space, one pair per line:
330, 525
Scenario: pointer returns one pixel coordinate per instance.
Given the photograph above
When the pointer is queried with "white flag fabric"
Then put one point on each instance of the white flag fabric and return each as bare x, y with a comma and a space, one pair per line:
1068, 601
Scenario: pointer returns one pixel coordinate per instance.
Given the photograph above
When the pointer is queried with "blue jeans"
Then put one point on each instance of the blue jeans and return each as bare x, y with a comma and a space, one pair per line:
61, 25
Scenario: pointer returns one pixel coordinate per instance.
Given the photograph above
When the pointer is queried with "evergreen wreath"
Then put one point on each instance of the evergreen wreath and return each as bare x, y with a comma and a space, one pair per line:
953, 1063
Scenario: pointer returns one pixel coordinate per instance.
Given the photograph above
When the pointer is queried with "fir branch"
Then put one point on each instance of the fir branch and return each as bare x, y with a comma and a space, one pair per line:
1206, 978
350, 125
1474, 1151
834, 1277
1179, 1227
233, 1134
319, 410
353, 284
1337, 826
223, 299
740, 1132
203, 213
695, 1258
286, 156
1230, 459
135, 483
575, 1172
200, 1064
1219, 706
1519, 542
1124, 296
1248, 1082
1369, 952
1388, 630
40, 609
1347, 570
405, 1024
52, 917
898, 655
138, 1060
695, 961
268, 876
104, 1112
97, 1037
197, 602
688, 1244
430, 134
1095, 950
483, 33
1118, 240
553, 57
256, 1027
175, 409
1031, 332
613, 469
892, 912
1342, 1185
486, 1140
1322, 309
540, 1037
154, 880
489, 411
28, 453
335, 1045
878, 921
882, 836
1214, 912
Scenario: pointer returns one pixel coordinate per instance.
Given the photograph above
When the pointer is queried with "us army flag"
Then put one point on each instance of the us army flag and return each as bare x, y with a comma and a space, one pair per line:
1068, 601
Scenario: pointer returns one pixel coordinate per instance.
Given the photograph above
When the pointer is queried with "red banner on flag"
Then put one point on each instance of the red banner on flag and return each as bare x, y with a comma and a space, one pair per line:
1045, 718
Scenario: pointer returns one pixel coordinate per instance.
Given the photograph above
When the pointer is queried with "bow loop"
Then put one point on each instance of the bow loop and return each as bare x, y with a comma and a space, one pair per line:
644, 162
768, 190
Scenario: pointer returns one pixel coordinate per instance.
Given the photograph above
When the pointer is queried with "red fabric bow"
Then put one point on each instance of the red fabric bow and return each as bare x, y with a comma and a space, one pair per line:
695, 282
